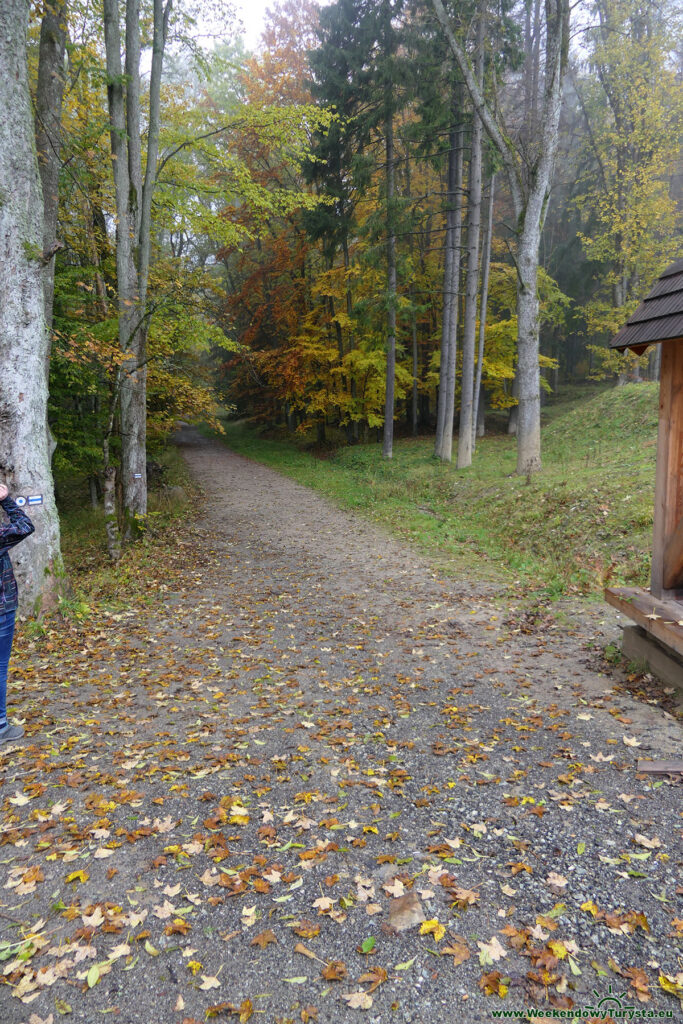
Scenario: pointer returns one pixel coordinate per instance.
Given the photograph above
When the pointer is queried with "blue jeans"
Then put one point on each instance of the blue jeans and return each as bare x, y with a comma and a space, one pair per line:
6, 635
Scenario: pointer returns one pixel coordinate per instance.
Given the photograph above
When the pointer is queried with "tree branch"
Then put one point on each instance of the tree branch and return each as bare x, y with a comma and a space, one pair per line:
494, 129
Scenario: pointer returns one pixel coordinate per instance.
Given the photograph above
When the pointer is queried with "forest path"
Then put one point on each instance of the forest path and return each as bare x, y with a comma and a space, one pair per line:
316, 724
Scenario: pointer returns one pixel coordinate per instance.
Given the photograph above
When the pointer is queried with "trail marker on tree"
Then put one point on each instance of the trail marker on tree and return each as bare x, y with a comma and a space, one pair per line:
658, 614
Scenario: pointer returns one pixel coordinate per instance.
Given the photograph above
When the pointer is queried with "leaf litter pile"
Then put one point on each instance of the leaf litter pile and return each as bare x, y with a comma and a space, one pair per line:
321, 780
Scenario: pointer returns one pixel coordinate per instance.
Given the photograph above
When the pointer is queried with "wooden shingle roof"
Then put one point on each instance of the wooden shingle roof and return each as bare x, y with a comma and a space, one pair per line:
659, 317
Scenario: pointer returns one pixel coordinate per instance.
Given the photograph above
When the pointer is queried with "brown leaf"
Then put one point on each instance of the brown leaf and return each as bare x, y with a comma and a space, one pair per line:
464, 898
300, 948
640, 983
406, 912
263, 939
458, 950
335, 970
306, 929
376, 976
518, 866
492, 984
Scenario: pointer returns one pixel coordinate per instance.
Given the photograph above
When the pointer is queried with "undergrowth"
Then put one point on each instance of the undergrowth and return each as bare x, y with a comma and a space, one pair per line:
92, 575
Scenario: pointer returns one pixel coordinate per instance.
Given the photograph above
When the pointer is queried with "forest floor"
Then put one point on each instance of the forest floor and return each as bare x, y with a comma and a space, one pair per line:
321, 780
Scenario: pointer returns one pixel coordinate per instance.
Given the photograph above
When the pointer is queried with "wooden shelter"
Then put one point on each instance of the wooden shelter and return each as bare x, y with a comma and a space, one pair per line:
659, 612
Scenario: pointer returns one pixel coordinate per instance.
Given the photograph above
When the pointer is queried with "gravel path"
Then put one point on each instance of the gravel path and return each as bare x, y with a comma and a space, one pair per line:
326, 783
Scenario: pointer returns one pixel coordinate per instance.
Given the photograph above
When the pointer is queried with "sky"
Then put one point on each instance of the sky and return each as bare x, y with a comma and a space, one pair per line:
252, 14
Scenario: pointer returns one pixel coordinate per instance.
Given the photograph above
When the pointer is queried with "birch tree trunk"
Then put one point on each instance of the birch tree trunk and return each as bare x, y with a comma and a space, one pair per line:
24, 447
451, 284
388, 439
528, 174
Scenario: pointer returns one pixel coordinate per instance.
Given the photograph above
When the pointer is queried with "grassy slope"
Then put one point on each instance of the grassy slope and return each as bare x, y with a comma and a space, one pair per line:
585, 520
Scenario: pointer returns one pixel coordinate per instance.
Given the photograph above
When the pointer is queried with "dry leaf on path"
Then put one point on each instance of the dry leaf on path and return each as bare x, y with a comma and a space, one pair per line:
406, 912
358, 1000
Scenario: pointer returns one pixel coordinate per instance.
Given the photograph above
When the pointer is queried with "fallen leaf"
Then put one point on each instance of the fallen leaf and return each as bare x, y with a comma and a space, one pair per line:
458, 950
264, 939
649, 844
406, 912
359, 1000
433, 928
209, 983
491, 951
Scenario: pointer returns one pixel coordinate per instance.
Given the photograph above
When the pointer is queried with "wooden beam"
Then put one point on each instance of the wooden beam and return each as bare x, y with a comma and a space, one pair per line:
669, 476
663, 619
673, 558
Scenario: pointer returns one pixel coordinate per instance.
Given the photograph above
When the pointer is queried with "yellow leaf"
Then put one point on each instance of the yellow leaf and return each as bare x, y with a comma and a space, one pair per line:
433, 928
673, 984
77, 876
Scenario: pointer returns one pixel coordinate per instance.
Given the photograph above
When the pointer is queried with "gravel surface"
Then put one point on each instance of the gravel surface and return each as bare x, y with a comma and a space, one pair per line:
219, 805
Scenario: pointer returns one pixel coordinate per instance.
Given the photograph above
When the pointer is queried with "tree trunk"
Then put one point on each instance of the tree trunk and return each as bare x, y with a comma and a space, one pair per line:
49, 94
134, 230
483, 304
24, 446
451, 283
528, 376
132, 464
467, 420
480, 423
528, 175
110, 517
388, 440
414, 396
48, 124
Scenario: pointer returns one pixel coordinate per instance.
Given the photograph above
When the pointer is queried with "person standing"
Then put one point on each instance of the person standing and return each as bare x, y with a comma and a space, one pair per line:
17, 529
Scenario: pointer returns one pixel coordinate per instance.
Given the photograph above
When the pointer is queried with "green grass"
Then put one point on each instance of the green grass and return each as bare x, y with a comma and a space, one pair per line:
584, 521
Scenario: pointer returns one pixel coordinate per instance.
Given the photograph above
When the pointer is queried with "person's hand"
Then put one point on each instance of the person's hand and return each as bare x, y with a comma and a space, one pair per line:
3, 492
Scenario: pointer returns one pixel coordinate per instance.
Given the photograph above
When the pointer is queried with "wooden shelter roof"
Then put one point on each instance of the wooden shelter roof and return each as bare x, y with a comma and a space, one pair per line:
659, 317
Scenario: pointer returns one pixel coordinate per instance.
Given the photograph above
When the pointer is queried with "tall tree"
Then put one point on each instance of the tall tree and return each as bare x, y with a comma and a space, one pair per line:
48, 122
24, 447
485, 269
528, 169
633, 110
472, 277
443, 445
389, 41
134, 227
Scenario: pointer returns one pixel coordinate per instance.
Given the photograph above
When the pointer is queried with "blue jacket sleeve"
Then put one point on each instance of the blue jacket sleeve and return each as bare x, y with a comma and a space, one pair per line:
18, 528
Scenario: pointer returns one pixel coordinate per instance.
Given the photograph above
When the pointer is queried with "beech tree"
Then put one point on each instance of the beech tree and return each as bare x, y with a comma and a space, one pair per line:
443, 445
528, 165
472, 277
133, 228
24, 445
48, 117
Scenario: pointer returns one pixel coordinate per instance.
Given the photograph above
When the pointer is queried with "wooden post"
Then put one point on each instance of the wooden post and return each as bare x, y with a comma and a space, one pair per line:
667, 547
